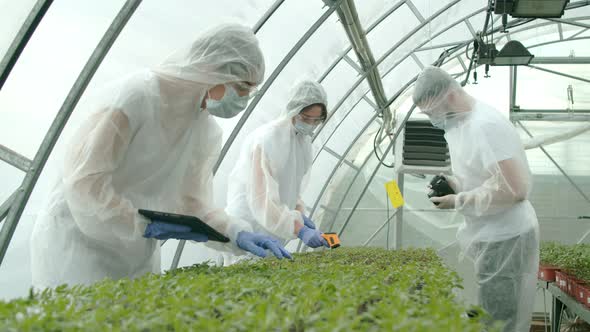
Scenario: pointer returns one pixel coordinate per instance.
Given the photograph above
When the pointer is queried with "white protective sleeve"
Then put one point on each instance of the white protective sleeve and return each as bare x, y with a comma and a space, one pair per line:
197, 199
99, 211
264, 198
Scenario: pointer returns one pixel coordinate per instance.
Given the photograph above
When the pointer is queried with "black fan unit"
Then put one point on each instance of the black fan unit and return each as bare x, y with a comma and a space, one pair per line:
424, 145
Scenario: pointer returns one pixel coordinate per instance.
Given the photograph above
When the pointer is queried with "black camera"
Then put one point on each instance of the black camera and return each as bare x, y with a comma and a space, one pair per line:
439, 187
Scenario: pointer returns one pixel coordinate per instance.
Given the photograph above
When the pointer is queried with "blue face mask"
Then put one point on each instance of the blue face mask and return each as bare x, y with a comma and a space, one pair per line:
304, 128
230, 105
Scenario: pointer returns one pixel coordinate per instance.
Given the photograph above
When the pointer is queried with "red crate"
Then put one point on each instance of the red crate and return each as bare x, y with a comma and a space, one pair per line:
571, 285
547, 272
583, 295
561, 280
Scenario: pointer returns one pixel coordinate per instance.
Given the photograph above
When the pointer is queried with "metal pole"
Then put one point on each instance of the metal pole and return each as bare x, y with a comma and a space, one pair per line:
256, 100
399, 220
14, 158
59, 122
267, 15
569, 22
387, 221
559, 60
22, 38
512, 84
557, 165
560, 74
6, 205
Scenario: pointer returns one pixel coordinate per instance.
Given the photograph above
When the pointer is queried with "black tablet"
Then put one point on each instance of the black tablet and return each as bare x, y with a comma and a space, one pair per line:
196, 224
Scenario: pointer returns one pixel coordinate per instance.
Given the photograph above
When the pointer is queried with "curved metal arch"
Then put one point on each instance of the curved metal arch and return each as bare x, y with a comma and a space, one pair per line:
22, 38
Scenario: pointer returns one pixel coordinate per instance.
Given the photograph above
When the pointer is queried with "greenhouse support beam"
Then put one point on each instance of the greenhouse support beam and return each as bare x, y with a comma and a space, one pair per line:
14, 158
572, 38
550, 115
349, 18
577, 34
59, 122
415, 11
399, 220
560, 74
470, 27
569, 22
560, 60
5, 207
417, 60
557, 165
370, 102
273, 76
353, 64
512, 86
336, 155
387, 222
22, 38
267, 15
445, 45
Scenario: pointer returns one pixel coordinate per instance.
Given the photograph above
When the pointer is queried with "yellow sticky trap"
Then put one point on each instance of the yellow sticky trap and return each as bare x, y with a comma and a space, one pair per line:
395, 195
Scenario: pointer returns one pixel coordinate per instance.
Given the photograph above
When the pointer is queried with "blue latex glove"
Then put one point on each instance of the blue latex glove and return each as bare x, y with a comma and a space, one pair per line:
307, 222
164, 231
258, 243
312, 237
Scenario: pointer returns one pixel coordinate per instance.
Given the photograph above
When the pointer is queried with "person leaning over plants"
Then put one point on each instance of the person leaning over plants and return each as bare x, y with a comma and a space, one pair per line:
266, 183
151, 143
492, 182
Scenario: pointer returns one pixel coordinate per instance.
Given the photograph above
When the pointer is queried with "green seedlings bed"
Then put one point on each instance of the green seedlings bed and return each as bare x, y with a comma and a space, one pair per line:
574, 259
346, 289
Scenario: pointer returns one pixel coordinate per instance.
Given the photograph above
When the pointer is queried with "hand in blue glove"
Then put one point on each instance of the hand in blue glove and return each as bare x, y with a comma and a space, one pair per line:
307, 222
258, 243
164, 231
312, 237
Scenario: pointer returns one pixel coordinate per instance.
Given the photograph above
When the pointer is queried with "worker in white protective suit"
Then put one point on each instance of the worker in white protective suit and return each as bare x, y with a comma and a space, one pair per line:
492, 182
266, 183
150, 143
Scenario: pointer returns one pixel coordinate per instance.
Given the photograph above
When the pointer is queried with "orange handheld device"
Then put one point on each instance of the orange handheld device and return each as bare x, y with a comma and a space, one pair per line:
333, 240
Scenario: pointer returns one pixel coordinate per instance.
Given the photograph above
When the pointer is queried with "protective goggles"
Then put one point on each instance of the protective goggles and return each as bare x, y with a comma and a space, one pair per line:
311, 120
